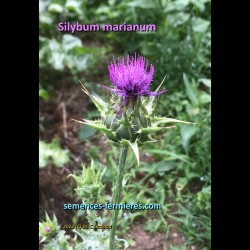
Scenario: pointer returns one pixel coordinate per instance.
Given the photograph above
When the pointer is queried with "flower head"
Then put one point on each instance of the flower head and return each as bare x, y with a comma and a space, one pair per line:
131, 78
133, 124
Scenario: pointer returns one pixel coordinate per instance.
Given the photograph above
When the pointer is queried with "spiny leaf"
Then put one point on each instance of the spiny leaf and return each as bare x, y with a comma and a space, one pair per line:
158, 120
97, 125
135, 149
99, 103
161, 83
157, 97
125, 179
148, 104
154, 129
151, 140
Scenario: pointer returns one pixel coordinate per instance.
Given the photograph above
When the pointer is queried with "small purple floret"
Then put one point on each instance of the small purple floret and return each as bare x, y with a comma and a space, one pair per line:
47, 229
131, 78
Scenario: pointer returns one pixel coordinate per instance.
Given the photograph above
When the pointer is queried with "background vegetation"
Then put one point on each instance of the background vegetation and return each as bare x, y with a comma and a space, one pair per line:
175, 171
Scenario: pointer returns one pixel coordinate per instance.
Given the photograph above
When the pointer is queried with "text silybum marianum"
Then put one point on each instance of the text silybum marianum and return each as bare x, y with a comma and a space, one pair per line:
68, 27
108, 206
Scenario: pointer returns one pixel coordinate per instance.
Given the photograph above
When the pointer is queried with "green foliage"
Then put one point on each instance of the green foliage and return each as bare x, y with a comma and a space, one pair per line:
89, 189
66, 54
63, 54
97, 240
43, 93
181, 165
52, 153
195, 217
89, 185
181, 43
48, 228
60, 242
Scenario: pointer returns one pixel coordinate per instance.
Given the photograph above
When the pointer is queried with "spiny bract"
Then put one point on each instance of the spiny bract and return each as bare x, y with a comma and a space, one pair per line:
128, 118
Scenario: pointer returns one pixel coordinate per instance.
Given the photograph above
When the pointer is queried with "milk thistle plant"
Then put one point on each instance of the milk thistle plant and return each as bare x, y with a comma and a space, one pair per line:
128, 119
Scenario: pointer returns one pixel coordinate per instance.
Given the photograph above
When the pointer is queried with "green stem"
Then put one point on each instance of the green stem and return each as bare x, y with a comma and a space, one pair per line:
117, 194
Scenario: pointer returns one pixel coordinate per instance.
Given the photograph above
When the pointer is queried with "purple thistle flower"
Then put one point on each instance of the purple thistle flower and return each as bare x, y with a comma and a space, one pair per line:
131, 79
47, 229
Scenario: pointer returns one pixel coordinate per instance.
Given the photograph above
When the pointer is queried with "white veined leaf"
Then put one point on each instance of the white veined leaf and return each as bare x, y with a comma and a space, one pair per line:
55, 8
69, 42
200, 25
144, 4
